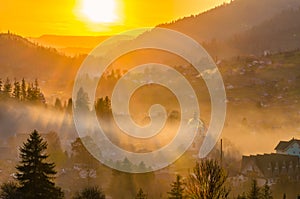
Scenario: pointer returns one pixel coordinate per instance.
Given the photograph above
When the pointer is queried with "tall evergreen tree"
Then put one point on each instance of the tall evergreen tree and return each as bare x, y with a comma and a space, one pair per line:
99, 107
141, 194
107, 105
9, 190
23, 90
177, 190
7, 87
266, 192
17, 90
103, 107
29, 92
254, 192
34, 173
36, 91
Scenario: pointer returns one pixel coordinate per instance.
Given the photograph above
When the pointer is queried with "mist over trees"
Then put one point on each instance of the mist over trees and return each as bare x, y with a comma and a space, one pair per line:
21, 91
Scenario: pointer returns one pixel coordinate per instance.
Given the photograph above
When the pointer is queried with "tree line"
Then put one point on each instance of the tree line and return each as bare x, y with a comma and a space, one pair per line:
21, 90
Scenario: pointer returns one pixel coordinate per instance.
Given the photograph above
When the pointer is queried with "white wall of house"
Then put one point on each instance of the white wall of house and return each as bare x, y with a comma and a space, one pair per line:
293, 149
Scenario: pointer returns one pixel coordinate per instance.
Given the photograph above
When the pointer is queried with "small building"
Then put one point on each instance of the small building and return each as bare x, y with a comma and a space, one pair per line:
291, 147
272, 167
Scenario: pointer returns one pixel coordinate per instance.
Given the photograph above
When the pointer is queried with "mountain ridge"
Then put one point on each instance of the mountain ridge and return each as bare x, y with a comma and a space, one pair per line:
225, 20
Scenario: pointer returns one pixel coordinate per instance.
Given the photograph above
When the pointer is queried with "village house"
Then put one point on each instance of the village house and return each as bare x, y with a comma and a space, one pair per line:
291, 147
284, 164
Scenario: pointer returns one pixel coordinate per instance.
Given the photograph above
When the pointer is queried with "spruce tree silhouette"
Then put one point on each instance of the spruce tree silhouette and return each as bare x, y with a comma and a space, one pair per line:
34, 173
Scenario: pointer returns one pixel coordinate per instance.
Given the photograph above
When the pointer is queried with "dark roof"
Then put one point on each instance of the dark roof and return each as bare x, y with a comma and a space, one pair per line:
282, 145
267, 162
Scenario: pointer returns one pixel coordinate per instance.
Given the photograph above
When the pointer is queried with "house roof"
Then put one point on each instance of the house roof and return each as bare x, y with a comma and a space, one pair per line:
266, 162
282, 145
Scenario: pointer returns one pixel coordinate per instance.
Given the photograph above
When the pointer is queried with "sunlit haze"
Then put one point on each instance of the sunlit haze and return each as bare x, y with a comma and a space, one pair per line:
93, 17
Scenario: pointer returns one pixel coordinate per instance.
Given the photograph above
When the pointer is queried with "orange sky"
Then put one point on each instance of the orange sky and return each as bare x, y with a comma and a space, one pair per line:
65, 17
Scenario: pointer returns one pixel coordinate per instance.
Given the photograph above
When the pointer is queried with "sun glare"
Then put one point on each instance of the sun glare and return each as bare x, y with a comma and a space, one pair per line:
100, 11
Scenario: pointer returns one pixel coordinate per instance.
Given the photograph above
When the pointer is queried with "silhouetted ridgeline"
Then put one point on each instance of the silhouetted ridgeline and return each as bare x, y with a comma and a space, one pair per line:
244, 27
20, 58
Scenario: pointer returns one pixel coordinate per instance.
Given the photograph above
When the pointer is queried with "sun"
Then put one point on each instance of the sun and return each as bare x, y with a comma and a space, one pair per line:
100, 11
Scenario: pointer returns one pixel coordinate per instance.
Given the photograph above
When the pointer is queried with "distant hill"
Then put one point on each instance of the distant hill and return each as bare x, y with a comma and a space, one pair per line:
278, 34
70, 45
281, 33
229, 19
244, 27
21, 58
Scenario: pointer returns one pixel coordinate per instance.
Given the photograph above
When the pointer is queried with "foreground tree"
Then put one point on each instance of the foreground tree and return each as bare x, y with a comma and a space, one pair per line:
9, 190
254, 192
34, 173
207, 181
177, 190
266, 192
90, 193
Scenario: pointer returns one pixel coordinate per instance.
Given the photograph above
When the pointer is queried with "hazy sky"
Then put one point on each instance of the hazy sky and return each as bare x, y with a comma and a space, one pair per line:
92, 17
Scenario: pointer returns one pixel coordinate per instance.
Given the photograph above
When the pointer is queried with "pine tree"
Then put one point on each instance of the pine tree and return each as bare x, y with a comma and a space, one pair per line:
17, 90
254, 191
29, 92
107, 105
177, 190
7, 88
35, 91
103, 107
99, 107
23, 90
9, 190
266, 192
34, 173
141, 194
